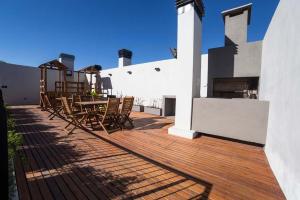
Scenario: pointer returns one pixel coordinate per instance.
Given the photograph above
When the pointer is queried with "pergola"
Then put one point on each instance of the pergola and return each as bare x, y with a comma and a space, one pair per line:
65, 87
52, 65
92, 70
62, 86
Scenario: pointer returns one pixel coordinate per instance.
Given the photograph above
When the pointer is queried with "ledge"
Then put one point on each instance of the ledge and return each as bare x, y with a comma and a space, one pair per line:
188, 134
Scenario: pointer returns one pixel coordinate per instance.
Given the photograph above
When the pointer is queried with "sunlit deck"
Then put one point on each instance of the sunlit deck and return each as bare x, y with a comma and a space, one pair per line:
144, 163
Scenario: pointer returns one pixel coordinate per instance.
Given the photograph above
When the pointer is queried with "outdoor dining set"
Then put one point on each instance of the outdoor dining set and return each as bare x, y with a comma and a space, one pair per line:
82, 111
82, 102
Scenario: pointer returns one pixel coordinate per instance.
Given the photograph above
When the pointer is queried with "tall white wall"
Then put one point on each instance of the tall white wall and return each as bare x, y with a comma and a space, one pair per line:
148, 84
280, 84
23, 83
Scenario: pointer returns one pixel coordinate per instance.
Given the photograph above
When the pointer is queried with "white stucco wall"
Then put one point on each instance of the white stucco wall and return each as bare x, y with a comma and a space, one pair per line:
280, 84
23, 83
147, 83
144, 82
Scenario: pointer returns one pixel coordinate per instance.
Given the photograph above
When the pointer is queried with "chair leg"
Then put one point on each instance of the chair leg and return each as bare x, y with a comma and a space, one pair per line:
55, 113
116, 122
52, 115
125, 119
130, 122
76, 124
69, 124
103, 127
122, 121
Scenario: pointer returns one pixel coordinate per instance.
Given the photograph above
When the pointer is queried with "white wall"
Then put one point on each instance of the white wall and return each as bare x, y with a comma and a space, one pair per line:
280, 84
144, 82
23, 83
147, 83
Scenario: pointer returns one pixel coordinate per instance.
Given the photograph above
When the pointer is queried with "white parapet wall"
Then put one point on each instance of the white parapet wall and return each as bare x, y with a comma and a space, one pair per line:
21, 84
240, 119
280, 84
150, 81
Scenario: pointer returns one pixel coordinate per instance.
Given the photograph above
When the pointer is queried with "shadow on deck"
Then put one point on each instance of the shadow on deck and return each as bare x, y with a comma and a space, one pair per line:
82, 166
144, 162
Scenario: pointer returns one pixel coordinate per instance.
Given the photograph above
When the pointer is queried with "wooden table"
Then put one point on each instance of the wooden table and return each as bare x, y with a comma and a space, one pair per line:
91, 103
59, 98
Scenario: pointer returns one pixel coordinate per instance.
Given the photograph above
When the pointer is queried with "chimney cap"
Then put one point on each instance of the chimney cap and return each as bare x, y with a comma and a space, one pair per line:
125, 53
64, 55
238, 10
198, 5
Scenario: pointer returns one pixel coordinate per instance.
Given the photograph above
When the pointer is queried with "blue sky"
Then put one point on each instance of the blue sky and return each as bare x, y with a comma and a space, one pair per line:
35, 31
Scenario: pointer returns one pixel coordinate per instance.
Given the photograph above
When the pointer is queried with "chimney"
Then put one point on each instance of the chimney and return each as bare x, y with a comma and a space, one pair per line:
68, 60
124, 57
236, 22
189, 39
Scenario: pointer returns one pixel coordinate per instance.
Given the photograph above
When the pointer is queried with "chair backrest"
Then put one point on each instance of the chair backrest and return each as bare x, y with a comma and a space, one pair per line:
52, 97
76, 98
86, 98
66, 106
112, 107
127, 105
96, 98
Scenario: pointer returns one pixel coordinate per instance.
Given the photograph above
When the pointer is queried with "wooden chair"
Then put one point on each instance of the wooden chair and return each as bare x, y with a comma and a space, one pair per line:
99, 108
76, 117
125, 112
110, 116
51, 107
76, 98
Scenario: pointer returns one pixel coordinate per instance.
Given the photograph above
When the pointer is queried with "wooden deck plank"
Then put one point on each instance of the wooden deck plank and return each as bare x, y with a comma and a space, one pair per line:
217, 174
72, 171
60, 174
32, 180
143, 163
23, 189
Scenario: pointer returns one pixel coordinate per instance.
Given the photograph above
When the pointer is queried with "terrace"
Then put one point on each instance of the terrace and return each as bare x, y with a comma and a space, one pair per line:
221, 125
142, 163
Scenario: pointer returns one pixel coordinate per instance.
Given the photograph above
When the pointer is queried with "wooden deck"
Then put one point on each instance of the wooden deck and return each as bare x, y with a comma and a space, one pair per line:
144, 163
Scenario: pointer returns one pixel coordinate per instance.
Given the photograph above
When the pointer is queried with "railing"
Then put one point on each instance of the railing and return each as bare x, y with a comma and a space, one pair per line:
3, 150
70, 87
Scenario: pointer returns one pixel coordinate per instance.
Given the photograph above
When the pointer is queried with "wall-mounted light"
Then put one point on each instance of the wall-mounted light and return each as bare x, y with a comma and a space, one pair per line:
129, 72
109, 74
157, 69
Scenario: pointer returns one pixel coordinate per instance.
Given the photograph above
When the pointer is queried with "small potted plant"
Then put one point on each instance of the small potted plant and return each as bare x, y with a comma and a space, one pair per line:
94, 93
154, 108
138, 105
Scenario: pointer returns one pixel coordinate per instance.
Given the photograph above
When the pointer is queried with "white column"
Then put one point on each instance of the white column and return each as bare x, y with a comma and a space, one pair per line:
189, 64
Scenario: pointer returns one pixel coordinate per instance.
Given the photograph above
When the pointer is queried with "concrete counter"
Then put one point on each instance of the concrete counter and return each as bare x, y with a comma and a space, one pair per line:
242, 119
